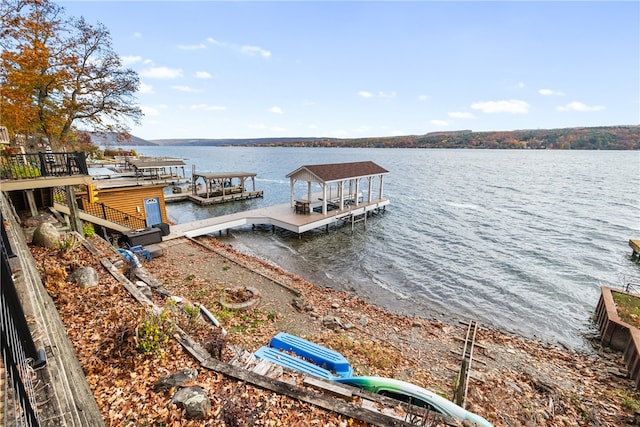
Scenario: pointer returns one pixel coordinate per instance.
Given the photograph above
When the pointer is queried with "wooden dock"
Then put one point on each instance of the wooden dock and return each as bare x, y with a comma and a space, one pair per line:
635, 246
282, 216
202, 200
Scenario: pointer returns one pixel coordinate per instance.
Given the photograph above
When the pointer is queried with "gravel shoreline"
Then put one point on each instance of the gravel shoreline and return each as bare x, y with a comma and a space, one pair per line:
516, 382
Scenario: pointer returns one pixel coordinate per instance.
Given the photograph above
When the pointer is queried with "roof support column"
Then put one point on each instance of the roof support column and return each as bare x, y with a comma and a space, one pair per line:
324, 198
381, 186
291, 193
357, 191
309, 192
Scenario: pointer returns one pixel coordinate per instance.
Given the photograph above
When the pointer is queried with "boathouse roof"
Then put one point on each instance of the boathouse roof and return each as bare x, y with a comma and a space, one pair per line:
221, 175
155, 162
337, 171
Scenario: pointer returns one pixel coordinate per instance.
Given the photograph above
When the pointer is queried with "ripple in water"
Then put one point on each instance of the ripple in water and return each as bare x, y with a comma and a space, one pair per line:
519, 240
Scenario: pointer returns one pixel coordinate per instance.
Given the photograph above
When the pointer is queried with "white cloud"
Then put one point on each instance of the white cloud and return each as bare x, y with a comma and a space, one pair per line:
187, 89
461, 115
278, 129
246, 49
275, 110
549, 92
161, 73
145, 88
131, 59
579, 106
214, 41
255, 50
387, 95
192, 46
153, 110
137, 34
438, 123
203, 75
207, 107
380, 94
513, 106
423, 98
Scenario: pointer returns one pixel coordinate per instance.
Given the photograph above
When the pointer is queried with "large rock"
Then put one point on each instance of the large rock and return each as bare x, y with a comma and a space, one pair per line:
39, 219
46, 235
177, 379
85, 276
194, 400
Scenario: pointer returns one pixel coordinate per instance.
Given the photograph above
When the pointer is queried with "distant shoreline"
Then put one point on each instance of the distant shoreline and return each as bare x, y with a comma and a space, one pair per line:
626, 137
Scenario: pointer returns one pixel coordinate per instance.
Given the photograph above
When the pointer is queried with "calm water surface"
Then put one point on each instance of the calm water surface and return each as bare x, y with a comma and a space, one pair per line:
519, 240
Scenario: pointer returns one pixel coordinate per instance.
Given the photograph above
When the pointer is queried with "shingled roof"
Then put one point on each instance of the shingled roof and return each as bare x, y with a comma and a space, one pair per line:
340, 171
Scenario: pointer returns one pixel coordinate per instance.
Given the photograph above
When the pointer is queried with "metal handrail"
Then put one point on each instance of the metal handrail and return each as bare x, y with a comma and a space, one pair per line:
42, 164
114, 215
103, 211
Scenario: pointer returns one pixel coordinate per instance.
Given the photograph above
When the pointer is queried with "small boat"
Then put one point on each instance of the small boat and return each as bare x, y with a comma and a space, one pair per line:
411, 393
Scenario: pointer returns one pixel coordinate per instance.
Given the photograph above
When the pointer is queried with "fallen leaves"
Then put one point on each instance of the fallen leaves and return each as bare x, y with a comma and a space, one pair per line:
523, 382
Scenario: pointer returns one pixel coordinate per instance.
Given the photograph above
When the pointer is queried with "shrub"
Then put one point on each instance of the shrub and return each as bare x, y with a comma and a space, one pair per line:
154, 332
88, 230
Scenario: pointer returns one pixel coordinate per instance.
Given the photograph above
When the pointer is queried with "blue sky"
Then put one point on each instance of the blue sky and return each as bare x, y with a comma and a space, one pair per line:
213, 69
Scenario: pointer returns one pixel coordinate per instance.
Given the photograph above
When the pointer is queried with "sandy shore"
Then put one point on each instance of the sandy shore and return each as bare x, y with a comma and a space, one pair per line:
515, 381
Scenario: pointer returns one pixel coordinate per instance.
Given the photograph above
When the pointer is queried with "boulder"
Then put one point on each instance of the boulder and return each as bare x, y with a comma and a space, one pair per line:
46, 235
177, 379
38, 220
86, 277
332, 322
194, 400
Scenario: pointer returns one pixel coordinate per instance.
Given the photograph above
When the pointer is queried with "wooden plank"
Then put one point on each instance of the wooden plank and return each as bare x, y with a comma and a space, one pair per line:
330, 387
309, 396
635, 245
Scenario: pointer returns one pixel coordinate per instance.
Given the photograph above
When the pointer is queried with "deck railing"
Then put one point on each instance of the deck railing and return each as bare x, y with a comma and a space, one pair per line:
19, 354
103, 211
42, 164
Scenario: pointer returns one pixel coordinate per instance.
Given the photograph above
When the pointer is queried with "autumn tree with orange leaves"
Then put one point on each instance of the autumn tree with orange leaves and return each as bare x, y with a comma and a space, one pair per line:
60, 74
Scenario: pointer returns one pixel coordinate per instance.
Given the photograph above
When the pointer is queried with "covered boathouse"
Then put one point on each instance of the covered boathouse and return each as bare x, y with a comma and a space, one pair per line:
340, 186
349, 192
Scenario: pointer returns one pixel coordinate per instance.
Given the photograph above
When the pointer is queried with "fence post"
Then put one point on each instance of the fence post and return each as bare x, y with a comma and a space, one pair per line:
73, 209
81, 161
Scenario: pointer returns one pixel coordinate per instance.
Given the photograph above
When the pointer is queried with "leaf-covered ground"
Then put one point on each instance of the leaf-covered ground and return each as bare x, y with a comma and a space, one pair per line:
516, 382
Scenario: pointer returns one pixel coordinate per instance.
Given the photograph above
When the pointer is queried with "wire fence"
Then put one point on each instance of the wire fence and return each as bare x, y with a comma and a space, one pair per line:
19, 354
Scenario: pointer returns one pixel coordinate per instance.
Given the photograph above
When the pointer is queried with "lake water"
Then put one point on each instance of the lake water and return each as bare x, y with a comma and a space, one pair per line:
520, 240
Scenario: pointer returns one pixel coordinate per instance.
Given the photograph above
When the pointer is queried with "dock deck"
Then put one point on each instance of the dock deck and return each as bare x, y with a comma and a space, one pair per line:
635, 246
202, 200
283, 216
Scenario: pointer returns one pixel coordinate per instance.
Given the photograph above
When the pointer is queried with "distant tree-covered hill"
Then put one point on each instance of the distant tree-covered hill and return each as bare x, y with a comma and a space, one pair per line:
112, 139
583, 138
595, 138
